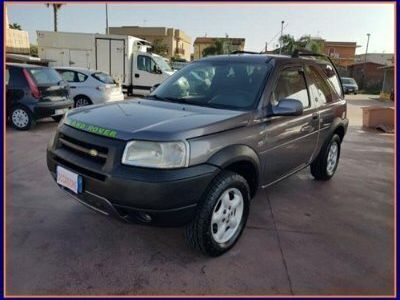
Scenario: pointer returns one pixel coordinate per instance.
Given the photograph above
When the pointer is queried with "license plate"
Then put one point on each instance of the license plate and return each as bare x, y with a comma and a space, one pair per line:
350, 90
60, 111
70, 180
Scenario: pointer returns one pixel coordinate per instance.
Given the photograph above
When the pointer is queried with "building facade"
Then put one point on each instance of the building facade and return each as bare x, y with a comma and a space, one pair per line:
17, 41
178, 43
202, 43
369, 76
342, 53
386, 59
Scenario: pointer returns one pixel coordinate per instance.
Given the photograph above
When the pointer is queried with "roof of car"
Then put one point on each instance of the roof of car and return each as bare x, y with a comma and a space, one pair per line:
79, 69
244, 57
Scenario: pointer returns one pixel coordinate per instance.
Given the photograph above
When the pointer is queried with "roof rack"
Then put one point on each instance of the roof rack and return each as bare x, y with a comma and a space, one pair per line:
245, 52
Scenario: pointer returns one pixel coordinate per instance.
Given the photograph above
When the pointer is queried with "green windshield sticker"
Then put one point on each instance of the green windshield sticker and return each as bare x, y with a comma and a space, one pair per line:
91, 128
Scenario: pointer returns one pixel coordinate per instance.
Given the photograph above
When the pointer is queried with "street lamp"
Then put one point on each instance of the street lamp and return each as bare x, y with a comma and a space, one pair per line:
280, 39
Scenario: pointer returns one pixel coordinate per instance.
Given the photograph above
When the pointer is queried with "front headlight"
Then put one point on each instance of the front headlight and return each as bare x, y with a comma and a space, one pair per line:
161, 155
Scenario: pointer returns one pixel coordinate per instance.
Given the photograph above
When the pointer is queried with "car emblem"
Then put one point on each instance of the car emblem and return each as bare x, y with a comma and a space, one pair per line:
93, 152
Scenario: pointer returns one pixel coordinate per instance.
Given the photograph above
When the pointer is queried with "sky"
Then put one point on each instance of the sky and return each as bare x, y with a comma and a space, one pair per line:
258, 23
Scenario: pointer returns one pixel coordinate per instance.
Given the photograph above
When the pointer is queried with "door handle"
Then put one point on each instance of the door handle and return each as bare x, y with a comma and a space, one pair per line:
315, 116
137, 75
72, 87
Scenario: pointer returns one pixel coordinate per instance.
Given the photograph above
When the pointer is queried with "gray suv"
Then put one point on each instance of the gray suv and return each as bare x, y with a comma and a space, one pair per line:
197, 149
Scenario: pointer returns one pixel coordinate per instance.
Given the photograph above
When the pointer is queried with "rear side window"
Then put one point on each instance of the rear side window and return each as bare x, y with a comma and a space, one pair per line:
103, 77
291, 84
45, 75
319, 88
333, 79
81, 77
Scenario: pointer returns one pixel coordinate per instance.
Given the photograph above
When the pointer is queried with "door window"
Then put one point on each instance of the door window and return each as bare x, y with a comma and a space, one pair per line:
333, 78
81, 77
145, 63
291, 84
319, 88
68, 76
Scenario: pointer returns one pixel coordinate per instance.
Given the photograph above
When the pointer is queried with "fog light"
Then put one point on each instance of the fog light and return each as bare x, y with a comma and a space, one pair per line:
145, 217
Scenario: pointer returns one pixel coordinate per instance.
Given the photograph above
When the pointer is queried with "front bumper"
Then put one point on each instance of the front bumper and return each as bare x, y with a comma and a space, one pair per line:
132, 194
47, 109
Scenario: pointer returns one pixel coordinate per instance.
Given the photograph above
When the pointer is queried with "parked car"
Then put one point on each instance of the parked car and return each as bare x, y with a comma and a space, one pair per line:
90, 87
198, 148
33, 93
349, 85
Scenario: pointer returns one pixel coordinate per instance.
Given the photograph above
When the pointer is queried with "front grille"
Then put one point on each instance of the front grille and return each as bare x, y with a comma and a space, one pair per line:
89, 151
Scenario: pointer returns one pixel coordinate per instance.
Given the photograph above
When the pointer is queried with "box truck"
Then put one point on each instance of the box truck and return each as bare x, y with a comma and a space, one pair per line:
126, 58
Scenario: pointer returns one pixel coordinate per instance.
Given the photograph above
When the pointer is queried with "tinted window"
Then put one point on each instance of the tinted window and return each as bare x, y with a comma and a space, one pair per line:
145, 63
319, 88
220, 84
291, 84
7, 76
103, 77
45, 75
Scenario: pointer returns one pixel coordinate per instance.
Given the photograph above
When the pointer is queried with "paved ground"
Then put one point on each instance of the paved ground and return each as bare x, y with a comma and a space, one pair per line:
303, 236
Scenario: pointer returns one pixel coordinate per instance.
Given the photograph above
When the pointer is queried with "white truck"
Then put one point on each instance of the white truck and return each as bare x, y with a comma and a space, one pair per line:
125, 58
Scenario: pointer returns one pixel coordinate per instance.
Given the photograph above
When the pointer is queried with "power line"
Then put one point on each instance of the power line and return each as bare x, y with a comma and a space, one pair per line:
276, 35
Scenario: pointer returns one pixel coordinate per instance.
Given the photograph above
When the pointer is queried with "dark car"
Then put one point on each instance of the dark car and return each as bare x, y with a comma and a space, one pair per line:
34, 92
350, 86
196, 151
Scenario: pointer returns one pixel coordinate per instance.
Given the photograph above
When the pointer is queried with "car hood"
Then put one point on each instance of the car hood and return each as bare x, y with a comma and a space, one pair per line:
144, 119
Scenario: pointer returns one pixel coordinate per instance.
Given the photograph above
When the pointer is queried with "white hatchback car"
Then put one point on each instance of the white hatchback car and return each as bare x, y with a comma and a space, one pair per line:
89, 86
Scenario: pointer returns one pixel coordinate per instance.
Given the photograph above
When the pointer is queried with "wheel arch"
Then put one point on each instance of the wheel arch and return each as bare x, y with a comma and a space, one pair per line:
241, 159
83, 96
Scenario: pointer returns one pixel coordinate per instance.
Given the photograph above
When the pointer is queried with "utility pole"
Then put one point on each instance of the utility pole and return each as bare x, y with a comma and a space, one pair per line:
365, 60
366, 49
107, 30
280, 39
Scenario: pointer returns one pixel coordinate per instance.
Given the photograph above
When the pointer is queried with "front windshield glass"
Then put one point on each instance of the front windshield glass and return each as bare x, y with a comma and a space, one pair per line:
348, 80
164, 66
231, 85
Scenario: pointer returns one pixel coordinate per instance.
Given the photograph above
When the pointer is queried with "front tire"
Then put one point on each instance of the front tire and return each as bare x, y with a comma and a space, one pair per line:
221, 215
325, 165
22, 118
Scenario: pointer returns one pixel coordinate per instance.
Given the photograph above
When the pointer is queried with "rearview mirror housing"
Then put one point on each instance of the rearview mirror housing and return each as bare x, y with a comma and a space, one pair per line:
154, 87
288, 107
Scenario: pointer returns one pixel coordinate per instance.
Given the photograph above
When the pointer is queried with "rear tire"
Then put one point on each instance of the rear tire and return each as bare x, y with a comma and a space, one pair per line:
325, 164
22, 118
221, 216
82, 101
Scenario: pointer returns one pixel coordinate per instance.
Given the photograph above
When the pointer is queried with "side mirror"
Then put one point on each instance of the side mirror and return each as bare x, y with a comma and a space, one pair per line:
288, 107
154, 87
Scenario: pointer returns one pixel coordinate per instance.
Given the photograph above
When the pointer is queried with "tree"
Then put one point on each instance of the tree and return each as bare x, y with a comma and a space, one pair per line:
15, 26
159, 47
289, 44
56, 8
220, 46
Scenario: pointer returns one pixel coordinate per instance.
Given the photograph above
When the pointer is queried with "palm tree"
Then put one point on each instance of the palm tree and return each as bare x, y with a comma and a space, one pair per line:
221, 46
56, 8
15, 26
289, 44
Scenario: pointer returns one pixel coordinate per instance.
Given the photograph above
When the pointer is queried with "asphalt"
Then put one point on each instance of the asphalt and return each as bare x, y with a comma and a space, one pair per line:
303, 237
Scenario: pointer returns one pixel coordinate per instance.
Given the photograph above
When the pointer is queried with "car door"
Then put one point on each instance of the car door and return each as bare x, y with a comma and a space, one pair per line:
145, 74
290, 141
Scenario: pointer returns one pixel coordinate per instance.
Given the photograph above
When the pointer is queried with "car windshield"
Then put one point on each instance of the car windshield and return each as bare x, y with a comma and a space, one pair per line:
164, 66
231, 85
45, 75
348, 81
103, 77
